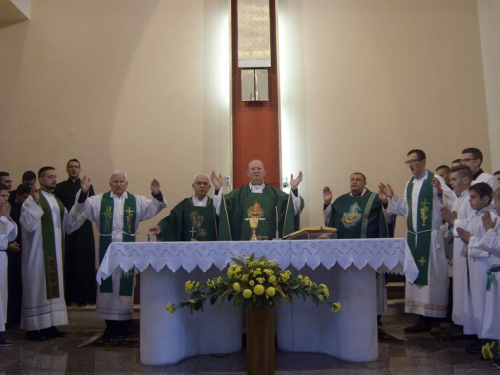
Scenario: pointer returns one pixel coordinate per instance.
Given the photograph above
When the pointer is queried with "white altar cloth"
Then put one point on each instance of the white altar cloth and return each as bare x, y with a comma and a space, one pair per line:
349, 335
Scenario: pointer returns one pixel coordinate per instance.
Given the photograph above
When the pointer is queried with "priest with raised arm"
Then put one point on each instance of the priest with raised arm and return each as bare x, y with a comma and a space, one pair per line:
259, 200
193, 219
117, 215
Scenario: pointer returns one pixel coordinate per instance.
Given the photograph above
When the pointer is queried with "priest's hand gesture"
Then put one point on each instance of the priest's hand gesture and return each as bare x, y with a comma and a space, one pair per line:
385, 190
294, 184
155, 230
35, 193
85, 184
327, 195
216, 180
437, 184
155, 187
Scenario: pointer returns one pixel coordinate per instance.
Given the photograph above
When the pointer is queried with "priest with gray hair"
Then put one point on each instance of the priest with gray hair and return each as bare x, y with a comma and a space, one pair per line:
117, 215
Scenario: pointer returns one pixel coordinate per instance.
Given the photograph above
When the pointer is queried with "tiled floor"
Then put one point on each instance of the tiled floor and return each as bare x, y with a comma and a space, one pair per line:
417, 354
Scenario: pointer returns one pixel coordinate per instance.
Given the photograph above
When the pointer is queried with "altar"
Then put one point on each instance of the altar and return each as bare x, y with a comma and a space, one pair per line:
347, 267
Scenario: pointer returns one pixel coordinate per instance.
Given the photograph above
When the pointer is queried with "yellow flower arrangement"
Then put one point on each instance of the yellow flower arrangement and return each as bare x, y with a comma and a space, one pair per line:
251, 282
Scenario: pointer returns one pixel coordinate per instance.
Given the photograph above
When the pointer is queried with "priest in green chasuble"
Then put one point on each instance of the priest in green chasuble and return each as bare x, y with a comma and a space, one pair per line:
360, 214
421, 204
117, 215
194, 218
258, 200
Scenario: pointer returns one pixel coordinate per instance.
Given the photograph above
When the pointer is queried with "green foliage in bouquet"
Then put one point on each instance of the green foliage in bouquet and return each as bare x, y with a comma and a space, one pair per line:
251, 283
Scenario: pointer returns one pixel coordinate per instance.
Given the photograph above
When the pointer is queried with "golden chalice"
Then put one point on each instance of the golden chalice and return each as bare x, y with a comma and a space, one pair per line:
254, 223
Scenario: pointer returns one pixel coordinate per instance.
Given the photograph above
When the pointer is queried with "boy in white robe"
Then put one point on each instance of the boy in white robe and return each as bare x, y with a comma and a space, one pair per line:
477, 263
491, 244
8, 233
459, 216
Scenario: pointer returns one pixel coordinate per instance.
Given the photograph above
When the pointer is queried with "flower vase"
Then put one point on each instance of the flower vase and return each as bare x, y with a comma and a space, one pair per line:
260, 340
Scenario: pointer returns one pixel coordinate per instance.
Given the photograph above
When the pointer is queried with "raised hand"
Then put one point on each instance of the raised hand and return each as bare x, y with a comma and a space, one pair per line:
437, 184
327, 195
487, 222
155, 230
386, 190
35, 193
155, 187
294, 184
85, 184
216, 180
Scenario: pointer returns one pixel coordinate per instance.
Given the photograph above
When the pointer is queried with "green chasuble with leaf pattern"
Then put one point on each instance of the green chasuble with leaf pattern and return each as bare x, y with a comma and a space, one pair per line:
235, 207
360, 217
188, 222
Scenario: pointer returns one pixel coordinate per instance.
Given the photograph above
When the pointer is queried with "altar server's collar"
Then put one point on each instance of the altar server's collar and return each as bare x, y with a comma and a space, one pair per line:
257, 188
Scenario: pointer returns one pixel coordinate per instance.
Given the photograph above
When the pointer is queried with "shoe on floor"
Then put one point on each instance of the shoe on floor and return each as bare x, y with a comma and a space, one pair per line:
53, 332
5, 343
419, 326
463, 338
435, 329
35, 336
476, 347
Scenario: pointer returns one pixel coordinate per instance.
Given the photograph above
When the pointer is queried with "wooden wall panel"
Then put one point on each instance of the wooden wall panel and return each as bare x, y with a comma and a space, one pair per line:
255, 124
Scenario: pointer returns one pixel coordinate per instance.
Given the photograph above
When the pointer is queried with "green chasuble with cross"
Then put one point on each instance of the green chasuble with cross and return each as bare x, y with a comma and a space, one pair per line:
240, 204
360, 217
188, 222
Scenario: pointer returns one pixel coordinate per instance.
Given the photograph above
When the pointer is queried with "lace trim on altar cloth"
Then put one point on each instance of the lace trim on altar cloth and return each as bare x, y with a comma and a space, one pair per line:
383, 255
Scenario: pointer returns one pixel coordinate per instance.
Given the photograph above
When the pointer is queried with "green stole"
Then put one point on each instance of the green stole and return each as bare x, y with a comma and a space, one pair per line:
420, 242
105, 239
188, 222
49, 246
233, 225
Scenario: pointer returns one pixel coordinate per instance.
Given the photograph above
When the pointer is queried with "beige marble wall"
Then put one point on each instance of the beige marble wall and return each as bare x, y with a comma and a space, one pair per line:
144, 86
141, 86
366, 81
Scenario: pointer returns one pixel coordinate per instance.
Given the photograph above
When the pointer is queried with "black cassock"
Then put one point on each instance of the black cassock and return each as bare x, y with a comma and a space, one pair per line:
79, 261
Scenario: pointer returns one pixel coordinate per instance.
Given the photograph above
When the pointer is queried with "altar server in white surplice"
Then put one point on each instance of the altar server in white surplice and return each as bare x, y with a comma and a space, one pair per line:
459, 216
477, 261
424, 195
8, 233
473, 158
117, 215
491, 244
44, 221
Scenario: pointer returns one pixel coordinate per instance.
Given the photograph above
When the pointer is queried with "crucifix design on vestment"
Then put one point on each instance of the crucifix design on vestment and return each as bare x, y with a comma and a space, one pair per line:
108, 215
422, 261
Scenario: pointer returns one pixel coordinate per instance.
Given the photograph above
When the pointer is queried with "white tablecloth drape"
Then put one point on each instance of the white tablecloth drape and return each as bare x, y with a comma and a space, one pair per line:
348, 269
383, 255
